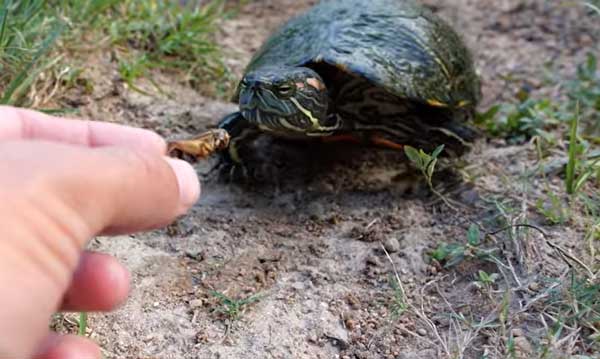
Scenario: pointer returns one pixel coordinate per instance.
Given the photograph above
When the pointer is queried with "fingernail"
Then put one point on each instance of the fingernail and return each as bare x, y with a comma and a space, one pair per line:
189, 185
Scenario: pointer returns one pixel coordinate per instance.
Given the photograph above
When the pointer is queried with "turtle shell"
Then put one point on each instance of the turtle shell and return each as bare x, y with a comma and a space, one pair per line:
398, 45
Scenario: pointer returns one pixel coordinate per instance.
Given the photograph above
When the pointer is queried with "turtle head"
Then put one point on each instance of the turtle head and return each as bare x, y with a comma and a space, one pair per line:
289, 101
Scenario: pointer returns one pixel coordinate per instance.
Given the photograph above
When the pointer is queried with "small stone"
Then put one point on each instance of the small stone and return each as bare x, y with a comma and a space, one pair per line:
196, 303
522, 346
349, 321
353, 301
350, 324
391, 245
469, 197
534, 286
372, 260
315, 211
156, 304
433, 270
517, 332
422, 332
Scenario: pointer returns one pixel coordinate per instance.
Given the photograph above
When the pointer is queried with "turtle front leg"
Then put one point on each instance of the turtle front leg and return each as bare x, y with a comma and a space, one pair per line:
202, 146
240, 131
237, 162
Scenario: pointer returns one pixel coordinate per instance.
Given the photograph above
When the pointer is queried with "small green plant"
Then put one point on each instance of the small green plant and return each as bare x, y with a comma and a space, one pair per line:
426, 164
553, 210
521, 121
578, 171
82, 323
584, 96
451, 254
399, 304
485, 282
233, 308
576, 304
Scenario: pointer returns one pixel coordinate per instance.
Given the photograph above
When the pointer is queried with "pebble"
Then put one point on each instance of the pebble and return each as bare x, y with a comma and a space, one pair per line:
196, 303
372, 260
392, 245
522, 345
316, 211
433, 270
534, 286
422, 332
469, 197
517, 332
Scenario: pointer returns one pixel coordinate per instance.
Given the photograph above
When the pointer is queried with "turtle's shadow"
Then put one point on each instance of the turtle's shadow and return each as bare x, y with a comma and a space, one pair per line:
274, 166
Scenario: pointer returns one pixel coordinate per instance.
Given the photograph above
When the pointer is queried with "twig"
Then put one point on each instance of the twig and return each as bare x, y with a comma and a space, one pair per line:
566, 256
542, 295
420, 313
525, 225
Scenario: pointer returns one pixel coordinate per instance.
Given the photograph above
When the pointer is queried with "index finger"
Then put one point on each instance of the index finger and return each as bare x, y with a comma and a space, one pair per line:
22, 124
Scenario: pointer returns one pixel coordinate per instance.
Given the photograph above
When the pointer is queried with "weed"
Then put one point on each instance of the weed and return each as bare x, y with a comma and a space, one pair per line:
578, 171
40, 41
27, 35
576, 304
426, 164
167, 36
451, 254
553, 210
485, 280
82, 323
233, 308
584, 95
529, 117
521, 121
399, 304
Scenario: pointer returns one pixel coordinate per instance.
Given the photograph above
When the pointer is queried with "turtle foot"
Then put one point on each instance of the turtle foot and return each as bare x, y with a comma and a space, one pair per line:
201, 146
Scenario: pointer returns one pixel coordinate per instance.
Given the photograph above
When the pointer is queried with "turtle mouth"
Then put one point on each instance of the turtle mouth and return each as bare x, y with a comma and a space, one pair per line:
272, 122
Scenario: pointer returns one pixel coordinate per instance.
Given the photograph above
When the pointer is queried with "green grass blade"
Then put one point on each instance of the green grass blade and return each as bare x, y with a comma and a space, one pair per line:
3, 20
25, 74
593, 7
570, 177
83, 317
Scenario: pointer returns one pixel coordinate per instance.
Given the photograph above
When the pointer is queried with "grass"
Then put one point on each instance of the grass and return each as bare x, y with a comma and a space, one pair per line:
45, 46
233, 308
27, 35
553, 209
398, 304
163, 35
82, 323
572, 163
562, 312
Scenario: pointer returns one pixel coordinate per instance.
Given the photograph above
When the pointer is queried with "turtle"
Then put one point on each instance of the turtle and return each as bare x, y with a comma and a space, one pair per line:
387, 73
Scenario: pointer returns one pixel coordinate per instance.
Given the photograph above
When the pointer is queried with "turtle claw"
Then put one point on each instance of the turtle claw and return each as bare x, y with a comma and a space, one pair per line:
201, 146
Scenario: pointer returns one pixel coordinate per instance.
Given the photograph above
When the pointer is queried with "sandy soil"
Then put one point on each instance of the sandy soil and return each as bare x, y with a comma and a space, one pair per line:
309, 243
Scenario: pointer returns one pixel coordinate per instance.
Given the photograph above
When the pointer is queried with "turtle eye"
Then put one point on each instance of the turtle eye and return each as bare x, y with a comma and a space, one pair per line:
285, 90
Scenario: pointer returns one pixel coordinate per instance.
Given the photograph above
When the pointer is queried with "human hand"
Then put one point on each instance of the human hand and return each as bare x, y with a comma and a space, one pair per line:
61, 183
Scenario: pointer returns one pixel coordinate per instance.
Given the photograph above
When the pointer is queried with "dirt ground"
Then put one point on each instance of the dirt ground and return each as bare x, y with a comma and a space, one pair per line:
309, 242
